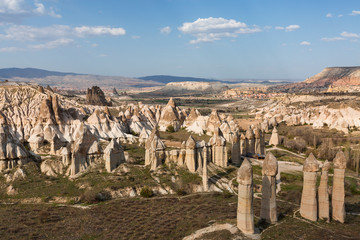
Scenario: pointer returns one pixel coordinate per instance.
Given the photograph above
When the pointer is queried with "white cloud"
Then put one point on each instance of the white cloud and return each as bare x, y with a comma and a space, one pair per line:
213, 29
332, 39
94, 45
10, 49
52, 44
14, 11
349, 35
305, 43
354, 12
54, 32
98, 30
289, 28
135, 37
340, 15
329, 15
165, 30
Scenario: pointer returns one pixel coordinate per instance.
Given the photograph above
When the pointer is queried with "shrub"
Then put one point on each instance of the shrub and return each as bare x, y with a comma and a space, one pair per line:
181, 192
170, 129
146, 192
92, 196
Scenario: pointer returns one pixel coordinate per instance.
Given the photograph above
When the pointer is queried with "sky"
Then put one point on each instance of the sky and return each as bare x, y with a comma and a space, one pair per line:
234, 39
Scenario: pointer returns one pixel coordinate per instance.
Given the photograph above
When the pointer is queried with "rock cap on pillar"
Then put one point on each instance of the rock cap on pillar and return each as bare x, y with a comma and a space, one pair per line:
245, 173
340, 160
190, 143
270, 166
311, 164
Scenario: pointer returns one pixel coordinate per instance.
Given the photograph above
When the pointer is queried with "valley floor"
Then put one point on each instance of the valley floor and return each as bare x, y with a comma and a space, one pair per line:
169, 217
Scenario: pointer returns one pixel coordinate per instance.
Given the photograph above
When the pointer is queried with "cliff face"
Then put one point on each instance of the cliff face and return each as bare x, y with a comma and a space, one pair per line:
332, 76
95, 96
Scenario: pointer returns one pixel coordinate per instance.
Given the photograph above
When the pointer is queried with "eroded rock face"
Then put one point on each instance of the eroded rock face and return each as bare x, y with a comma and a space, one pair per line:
235, 153
12, 152
213, 122
95, 96
274, 140
191, 154
338, 192
323, 192
308, 207
169, 117
113, 155
154, 150
245, 212
84, 140
219, 150
268, 190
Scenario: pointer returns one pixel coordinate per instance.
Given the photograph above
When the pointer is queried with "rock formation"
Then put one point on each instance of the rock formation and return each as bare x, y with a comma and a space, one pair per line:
154, 150
12, 152
323, 192
169, 117
250, 138
338, 192
219, 151
84, 140
95, 96
191, 155
274, 139
213, 122
245, 212
308, 207
205, 179
235, 153
243, 144
268, 190
113, 155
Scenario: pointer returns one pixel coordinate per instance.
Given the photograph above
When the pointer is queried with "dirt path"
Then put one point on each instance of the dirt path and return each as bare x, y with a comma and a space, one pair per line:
284, 150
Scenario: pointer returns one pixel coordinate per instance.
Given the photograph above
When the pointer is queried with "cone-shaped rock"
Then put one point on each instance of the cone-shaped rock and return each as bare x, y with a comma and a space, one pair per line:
274, 139
235, 153
191, 155
113, 155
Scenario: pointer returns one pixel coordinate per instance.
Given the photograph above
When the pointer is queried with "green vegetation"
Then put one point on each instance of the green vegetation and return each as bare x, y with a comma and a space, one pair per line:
146, 192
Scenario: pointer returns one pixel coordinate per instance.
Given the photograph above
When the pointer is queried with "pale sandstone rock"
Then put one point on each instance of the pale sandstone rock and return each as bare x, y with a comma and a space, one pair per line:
113, 155
169, 117
323, 192
245, 212
219, 150
205, 178
191, 154
51, 167
268, 190
274, 139
250, 138
213, 122
235, 153
308, 207
338, 191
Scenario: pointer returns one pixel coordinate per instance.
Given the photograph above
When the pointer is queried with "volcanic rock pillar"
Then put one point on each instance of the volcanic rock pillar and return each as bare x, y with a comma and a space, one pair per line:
308, 207
245, 212
268, 190
324, 207
338, 192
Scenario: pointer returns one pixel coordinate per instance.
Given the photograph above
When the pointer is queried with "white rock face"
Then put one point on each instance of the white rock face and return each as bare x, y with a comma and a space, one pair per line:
274, 139
113, 155
308, 207
338, 196
245, 212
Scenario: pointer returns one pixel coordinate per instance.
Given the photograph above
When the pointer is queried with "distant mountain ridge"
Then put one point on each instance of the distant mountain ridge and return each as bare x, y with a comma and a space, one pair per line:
30, 73
167, 78
343, 77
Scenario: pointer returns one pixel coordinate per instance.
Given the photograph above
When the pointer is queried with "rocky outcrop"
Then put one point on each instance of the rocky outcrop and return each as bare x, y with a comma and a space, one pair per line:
245, 212
12, 152
191, 154
169, 117
338, 192
84, 141
274, 139
308, 207
235, 153
205, 179
213, 122
323, 192
95, 96
268, 190
154, 150
113, 155
219, 150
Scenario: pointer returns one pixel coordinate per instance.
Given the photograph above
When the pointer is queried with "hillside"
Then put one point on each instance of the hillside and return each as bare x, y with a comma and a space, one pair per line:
30, 73
340, 78
166, 79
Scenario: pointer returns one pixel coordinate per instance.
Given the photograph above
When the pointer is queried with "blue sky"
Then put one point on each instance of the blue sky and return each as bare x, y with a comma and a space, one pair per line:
268, 39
